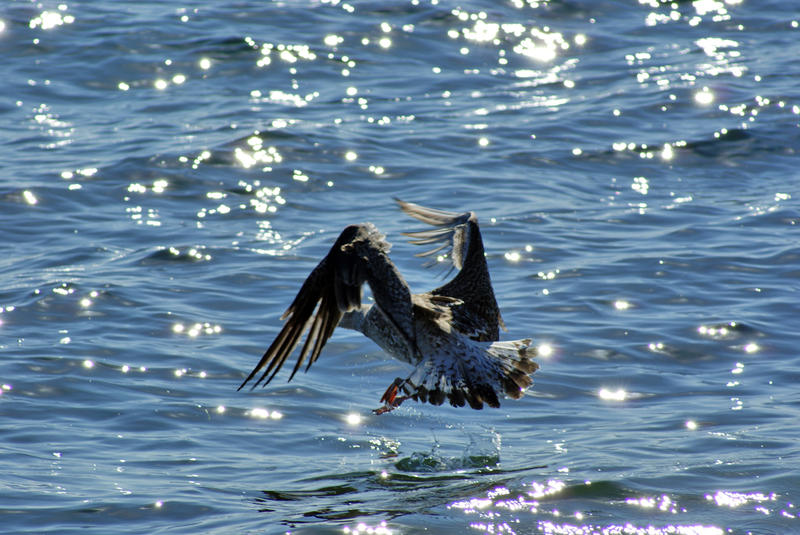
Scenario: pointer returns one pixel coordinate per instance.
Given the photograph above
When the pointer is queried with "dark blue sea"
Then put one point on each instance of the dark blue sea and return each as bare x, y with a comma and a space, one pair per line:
172, 171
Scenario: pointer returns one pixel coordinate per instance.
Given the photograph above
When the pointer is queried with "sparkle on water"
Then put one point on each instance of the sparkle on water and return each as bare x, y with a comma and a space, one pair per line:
215, 166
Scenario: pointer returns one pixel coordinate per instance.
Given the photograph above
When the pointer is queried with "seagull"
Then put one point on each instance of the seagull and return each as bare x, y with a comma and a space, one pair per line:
450, 334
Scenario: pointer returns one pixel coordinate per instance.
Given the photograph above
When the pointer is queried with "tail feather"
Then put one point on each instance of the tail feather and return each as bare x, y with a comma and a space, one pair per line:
479, 375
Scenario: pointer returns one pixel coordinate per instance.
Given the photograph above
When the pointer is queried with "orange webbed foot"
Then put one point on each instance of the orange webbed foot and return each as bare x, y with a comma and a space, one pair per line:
389, 399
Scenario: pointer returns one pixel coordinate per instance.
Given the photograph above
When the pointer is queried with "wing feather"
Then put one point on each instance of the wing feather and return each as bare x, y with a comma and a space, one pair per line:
459, 236
359, 255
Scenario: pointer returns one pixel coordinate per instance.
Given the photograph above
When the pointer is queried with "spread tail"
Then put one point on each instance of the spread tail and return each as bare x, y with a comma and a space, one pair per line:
477, 376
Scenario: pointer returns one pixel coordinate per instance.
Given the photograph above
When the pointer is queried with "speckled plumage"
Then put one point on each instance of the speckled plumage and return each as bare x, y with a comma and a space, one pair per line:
450, 334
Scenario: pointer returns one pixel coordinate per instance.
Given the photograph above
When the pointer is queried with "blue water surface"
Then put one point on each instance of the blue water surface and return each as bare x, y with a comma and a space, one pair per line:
172, 172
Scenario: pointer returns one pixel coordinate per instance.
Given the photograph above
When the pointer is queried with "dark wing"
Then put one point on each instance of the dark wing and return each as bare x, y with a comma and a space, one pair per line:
458, 238
333, 288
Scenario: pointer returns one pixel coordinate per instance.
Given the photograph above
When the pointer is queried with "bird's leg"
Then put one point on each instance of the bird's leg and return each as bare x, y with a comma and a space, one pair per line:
389, 399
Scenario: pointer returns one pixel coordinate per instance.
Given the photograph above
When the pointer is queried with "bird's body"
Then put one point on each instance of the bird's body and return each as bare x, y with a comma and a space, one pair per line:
450, 334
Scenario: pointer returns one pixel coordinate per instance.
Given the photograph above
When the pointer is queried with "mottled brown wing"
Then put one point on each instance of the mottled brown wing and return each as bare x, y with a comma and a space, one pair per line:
458, 239
359, 255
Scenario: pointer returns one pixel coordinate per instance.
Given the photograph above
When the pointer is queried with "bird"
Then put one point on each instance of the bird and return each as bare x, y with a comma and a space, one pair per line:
449, 334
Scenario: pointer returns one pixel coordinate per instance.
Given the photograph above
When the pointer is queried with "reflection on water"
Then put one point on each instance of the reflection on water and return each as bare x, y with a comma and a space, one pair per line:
555, 507
363, 528
47, 20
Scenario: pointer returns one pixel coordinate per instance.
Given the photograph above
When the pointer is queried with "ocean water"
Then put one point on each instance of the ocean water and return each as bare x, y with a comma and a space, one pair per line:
171, 172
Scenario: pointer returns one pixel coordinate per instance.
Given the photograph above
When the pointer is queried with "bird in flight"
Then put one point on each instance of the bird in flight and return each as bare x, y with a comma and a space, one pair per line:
450, 334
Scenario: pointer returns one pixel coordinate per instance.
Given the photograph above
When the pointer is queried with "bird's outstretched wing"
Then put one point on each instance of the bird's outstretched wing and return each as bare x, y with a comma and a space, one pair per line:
334, 287
458, 239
